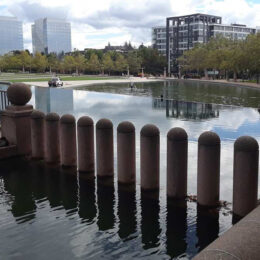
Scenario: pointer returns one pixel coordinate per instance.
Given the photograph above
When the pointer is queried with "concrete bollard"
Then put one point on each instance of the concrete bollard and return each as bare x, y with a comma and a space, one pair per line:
86, 157
104, 148
208, 169
37, 134
52, 138
68, 146
150, 158
177, 153
245, 178
126, 164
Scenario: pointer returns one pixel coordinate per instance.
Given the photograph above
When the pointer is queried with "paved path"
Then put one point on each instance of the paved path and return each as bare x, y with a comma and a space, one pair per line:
230, 83
81, 83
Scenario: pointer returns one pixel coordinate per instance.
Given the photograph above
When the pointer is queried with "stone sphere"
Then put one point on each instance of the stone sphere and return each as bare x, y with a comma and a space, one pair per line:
19, 94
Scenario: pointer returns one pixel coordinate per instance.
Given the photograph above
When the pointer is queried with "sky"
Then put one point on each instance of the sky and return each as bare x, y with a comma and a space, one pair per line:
94, 23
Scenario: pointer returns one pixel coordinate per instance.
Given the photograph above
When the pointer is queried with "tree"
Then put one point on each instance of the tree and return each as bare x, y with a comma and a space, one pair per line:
134, 62
40, 62
93, 63
25, 60
107, 62
80, 62
151, 60
69, 63
120, 63
53, 62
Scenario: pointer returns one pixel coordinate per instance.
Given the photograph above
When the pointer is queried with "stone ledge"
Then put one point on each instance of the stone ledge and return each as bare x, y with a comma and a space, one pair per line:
8, 151
242, 241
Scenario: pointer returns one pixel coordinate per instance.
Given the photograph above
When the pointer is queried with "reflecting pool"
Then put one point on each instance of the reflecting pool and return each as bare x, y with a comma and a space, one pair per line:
46, 212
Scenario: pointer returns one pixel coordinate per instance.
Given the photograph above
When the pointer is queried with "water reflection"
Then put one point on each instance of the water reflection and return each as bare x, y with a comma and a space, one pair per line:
79, 209
20, 186
176, 227
106, 203
207, 226
150, 225
209, 93
50, 99
87, 199
126, 211
186, 110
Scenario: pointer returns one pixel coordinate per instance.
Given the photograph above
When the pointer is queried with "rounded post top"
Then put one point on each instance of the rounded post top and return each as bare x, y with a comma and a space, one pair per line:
209, 138
19, 94
52, 117
104, 124
36, 114
67, 119
177, 134
150, 130
125, 127
85, 121
246, 144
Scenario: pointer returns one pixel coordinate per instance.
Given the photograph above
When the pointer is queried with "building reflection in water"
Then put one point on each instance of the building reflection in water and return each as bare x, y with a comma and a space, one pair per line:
93, 202
186, 109
54, 100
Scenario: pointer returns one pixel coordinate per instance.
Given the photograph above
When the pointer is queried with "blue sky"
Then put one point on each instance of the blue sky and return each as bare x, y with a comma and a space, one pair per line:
95, 23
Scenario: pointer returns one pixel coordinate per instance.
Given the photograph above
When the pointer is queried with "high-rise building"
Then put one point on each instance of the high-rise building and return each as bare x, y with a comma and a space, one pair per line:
11, 34
51, 36
182, 33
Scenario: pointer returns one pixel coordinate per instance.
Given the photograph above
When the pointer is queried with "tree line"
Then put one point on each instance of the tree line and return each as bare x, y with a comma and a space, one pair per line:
231, 58
91, 61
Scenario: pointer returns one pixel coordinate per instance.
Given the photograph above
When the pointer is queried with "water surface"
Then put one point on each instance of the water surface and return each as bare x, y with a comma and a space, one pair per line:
48, 213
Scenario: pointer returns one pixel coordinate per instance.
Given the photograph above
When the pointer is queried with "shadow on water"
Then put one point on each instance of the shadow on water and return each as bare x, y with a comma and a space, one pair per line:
207, 226
150, 225
176, 228
92, 202
127, 211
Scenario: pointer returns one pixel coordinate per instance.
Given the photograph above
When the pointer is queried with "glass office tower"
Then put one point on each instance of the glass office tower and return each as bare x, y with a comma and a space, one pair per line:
11, 34
51, 36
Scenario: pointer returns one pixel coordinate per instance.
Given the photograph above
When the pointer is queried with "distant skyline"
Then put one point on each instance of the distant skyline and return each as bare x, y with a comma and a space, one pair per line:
95, 23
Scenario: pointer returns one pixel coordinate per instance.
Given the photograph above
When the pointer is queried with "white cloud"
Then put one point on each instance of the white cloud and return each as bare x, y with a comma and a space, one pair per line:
118, 21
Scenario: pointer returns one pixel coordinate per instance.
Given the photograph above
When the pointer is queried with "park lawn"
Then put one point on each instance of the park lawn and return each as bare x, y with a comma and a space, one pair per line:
69, 78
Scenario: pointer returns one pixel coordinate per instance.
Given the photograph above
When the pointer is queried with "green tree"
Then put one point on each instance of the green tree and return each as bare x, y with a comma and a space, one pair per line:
151, 60
53, 62
134, 62
25, 60
69, 63
39, 62
80, 62
107, 62
93, 63
120, 63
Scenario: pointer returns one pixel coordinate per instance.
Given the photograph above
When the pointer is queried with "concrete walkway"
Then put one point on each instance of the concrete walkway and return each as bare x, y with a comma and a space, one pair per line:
225, 82
81, 83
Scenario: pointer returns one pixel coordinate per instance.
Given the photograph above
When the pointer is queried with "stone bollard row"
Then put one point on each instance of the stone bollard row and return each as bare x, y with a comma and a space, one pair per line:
37, 134
208, 176
86, 157
104, 148
177, 154
245, 175
55, 140
150, 158
126, 162
68, 146
52, 138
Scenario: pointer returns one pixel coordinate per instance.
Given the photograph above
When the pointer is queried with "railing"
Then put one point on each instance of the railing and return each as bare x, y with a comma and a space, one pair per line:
4, 102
